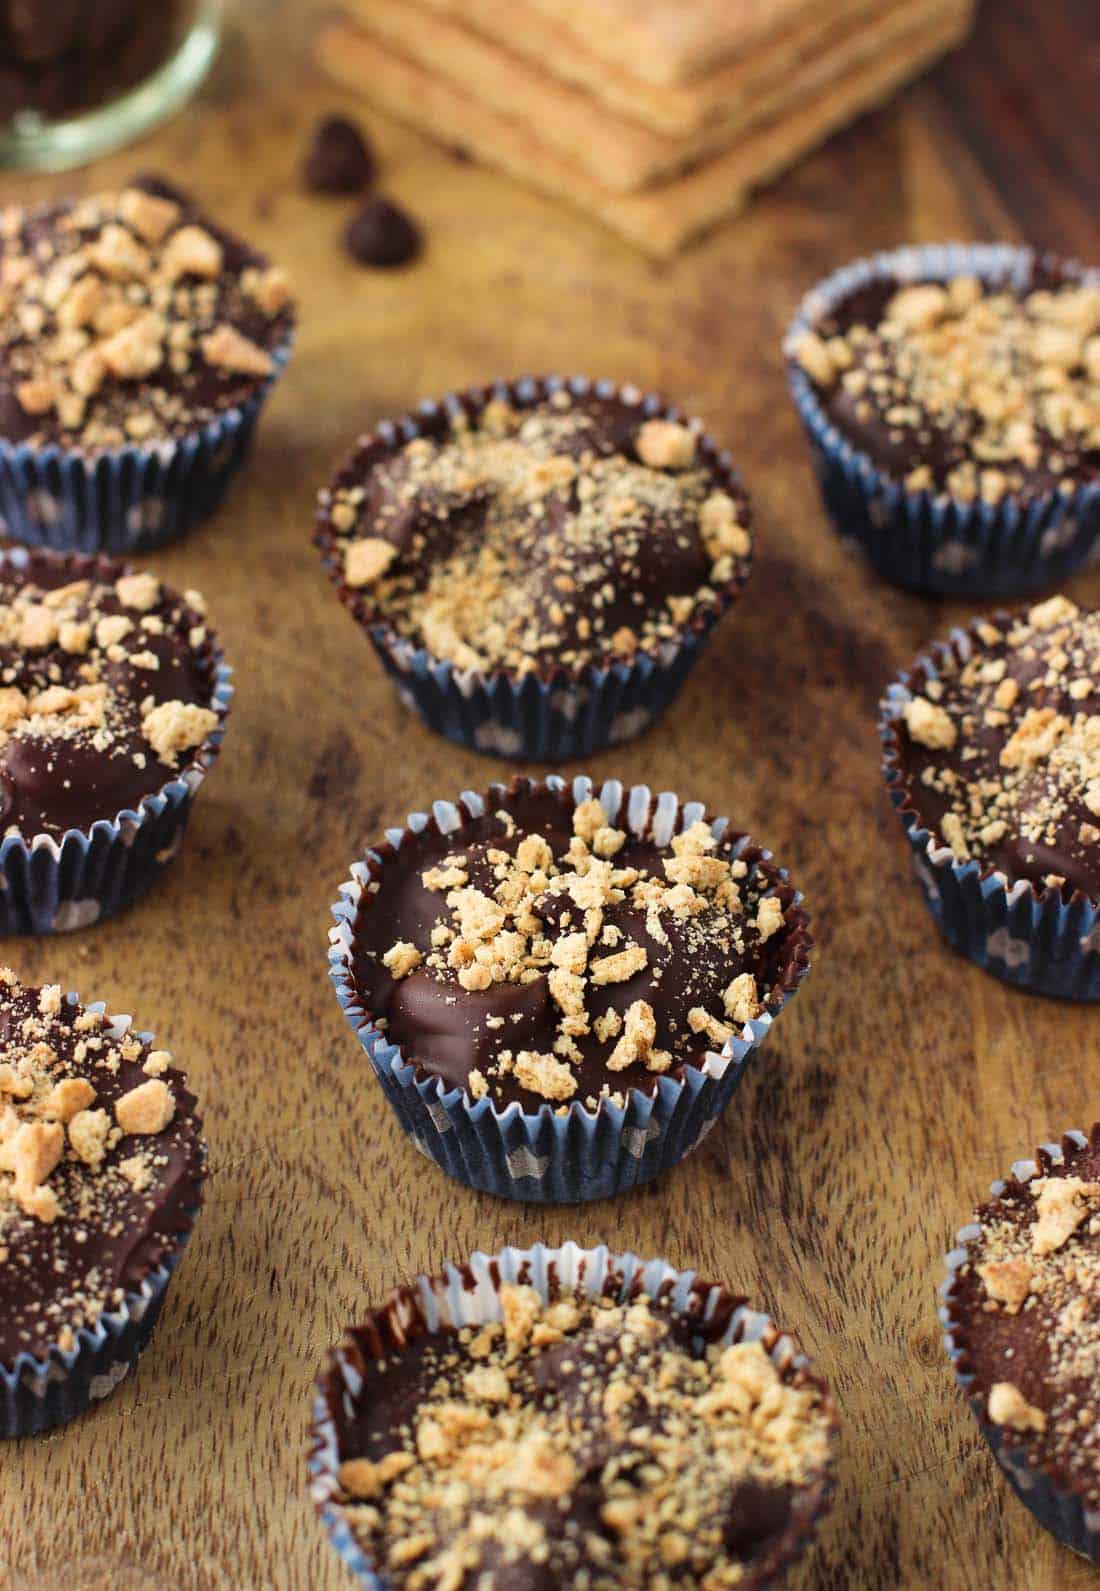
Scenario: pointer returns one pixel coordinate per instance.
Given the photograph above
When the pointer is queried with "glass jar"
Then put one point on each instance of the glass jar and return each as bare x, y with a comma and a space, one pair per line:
81, 77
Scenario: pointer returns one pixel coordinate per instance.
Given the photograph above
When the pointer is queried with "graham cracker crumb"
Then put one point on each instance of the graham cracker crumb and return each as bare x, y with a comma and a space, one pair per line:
1007, 1281
664, 445
228, 349
402, 959
367, 560
146, 1109
175, 727
1060, 1211
928, 724
544, 1075
1008, 1406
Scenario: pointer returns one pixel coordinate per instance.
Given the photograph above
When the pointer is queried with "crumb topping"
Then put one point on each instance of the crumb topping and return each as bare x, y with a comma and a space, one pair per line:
987, 390
91, 1138
570, 965
125, 318
563, 533
104, 687
586, 1443
1029, 1302
1004, 749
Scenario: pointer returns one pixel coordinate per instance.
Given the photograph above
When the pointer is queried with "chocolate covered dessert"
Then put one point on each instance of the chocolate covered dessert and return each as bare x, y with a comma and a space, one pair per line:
974, 389
130, 318
999, 753
578, 1443
1021, 1309
537, 534
545, 954
101, 1166
107, 687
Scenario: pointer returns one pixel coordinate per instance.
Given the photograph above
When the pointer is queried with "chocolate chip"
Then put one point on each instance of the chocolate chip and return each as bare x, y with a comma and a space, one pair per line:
382, 234
152, 183
338, 159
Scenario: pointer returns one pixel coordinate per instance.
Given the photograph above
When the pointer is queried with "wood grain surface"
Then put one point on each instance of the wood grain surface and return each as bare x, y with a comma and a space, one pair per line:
901, 1080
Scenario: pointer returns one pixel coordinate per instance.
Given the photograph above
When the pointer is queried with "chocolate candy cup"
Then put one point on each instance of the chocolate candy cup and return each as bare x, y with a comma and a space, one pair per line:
38, 1394
50, 885
469, 1295
926, 541
1057, 1509
551, 717
539, 1155
1043, 939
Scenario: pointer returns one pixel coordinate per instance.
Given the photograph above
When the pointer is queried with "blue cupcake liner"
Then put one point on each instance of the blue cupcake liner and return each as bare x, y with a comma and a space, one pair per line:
533, 717
542, 1156
1056, 1508
933, 542
131, 498
38, 1395
1033, 936
50, 885
469, 1295
528, 720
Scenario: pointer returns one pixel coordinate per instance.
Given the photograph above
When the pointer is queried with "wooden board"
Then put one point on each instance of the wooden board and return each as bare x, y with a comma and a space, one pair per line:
900, 1082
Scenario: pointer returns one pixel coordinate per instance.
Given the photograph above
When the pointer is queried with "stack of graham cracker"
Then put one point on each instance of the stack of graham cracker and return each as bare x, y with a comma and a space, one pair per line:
656, 116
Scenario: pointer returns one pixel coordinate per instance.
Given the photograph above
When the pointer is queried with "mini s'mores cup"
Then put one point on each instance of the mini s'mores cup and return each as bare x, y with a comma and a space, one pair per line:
444, 1386
138, 344
991, 752
1021, 1332
101, 1171
560, 989
538, 563
112, 713
951, 396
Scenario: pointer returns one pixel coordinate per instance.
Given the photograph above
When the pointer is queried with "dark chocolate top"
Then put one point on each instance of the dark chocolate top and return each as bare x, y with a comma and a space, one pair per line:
525, 537
578, 1444
129, 318
100, 1163
106, 685
1024, 1309
1001, 755
965, 387
543, 954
